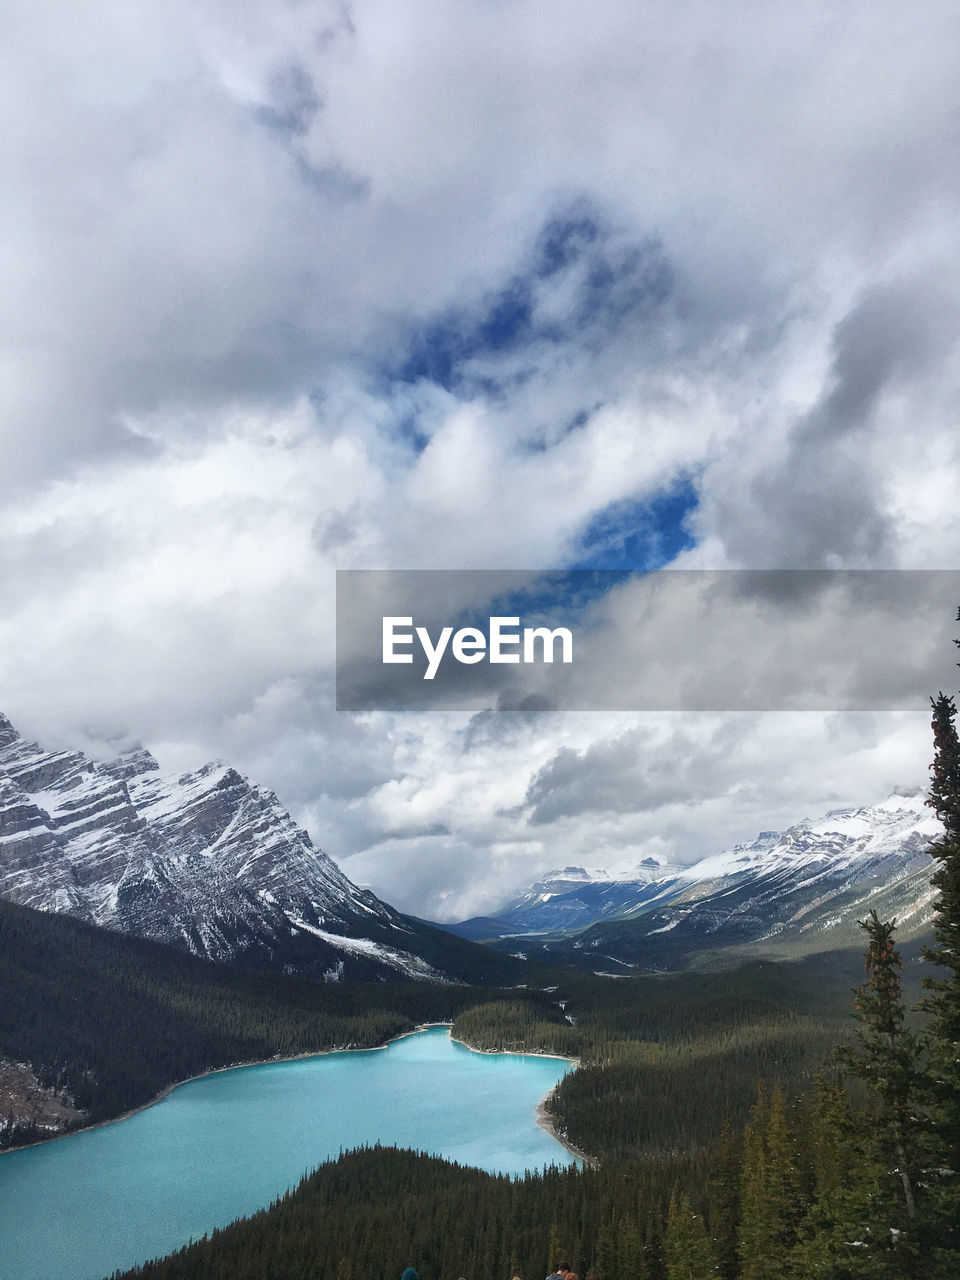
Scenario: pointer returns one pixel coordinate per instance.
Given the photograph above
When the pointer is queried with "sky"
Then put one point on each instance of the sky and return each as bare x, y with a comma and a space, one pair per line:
504, 285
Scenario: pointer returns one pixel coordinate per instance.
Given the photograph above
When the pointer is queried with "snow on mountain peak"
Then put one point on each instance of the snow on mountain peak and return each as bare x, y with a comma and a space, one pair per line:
839, 837
913, 798
204, 859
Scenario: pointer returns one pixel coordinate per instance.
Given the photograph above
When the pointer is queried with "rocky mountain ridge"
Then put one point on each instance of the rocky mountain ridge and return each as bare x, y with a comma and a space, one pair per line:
566, 900
205, 860
789, 892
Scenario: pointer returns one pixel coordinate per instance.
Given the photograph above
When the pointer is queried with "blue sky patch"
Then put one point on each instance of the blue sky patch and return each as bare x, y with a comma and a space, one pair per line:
563, 240
640, 533
610, 279
634, 536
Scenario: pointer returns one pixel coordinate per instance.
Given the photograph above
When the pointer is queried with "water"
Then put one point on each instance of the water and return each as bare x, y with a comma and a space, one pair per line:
226, 1145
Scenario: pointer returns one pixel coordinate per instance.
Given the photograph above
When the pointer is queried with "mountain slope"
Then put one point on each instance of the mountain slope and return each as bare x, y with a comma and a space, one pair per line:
566, 901
94, 1022
784, 893
207, 861
789, 893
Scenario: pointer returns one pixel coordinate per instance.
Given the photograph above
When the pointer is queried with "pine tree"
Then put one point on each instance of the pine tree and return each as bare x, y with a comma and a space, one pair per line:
887, 1058
554, 1247
943, 1003
344, 1269
724, 1209
770, 1203
632, 1252
605, 1265
755, 1231
686, 1249
845, 1183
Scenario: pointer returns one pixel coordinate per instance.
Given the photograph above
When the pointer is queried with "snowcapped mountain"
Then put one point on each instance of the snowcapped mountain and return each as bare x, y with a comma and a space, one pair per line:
212, 863
207, 861
859, 839
788, 892
567, 900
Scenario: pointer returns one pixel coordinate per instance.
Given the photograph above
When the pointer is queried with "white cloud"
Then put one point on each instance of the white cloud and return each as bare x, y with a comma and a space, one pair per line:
229, 227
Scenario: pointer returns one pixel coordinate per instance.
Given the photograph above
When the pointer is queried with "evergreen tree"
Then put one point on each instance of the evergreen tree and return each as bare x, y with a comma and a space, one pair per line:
633, 1255
755, 1229
605, 1266
724, 1209
344, 1269
828, 1226
554, 1247
686, 1249
943, 1003
887, 1058
844, 1234
785, 1179
768, 1190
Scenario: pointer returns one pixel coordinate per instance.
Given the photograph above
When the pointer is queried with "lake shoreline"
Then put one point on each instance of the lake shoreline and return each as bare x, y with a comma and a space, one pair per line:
215, 1071
543, 1118
542, 1114
546, 1120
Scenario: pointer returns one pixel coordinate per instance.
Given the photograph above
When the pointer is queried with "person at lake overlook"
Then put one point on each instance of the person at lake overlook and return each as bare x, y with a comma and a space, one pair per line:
409, 1274
565, 1272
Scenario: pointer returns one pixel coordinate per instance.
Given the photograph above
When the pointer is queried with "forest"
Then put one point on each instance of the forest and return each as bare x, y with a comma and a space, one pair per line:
807, 1187
664, 1060
757, 1122
845, 1165
112, 1020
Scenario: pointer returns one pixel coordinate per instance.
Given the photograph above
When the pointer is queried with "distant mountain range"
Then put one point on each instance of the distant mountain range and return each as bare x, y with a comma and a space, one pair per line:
207, 861
785, 893
566, 901
212, 863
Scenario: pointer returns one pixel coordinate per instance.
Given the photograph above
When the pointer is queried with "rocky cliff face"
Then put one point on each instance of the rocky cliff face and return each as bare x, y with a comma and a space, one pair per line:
30, 1110
207, 861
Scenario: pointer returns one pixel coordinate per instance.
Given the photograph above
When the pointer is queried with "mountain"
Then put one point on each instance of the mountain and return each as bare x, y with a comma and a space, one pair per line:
785, 893
565, 901
207, 861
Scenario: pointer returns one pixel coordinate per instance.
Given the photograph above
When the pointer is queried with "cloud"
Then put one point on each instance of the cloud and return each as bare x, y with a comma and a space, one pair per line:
584, 284
617, 776
291, 288
607, 791
826, 497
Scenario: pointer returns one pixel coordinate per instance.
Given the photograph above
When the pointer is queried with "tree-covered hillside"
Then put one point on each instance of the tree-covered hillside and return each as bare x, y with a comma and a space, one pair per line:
665, 1060
372, 1213
806, 1189
106, 1021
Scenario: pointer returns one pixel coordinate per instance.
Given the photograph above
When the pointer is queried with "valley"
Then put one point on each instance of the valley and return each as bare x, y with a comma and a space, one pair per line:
791, 893
154, 929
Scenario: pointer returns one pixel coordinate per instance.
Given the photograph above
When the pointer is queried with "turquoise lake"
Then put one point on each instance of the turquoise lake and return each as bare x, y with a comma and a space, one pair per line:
228, 1144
